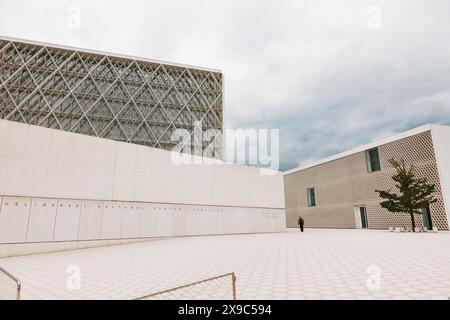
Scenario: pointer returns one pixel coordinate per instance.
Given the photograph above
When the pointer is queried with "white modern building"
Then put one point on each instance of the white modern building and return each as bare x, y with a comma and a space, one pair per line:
86, 159
61, 190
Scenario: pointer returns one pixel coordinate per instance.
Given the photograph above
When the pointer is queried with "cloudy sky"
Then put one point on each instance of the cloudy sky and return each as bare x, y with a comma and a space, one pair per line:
329, 74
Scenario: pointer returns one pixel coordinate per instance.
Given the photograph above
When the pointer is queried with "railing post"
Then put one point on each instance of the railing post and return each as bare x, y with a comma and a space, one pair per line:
233, 280
19, 287
17, 281
224, 276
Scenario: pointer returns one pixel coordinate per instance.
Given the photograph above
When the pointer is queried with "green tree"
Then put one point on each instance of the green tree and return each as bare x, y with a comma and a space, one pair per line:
413, 193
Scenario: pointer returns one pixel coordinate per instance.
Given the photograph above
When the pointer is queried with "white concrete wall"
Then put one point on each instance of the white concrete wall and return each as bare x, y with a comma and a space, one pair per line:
30, 220
60, 187
441, 141
41, 162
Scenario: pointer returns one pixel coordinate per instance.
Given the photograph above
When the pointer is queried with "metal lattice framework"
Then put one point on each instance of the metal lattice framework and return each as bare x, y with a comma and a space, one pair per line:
108, 96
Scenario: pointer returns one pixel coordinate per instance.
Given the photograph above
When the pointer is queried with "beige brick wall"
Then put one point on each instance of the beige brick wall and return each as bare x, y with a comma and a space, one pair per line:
344, 183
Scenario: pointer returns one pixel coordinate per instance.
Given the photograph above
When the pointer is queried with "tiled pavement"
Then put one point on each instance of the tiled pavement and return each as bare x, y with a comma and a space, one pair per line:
318, 264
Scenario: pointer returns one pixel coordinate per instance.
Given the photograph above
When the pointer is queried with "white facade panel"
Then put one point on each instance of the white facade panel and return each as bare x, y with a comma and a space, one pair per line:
179, 218
67, 220
240, 223
212, 221
41, 225
249, 220
164, 220
90, 220
216, 219
204, 218
131, 220
112, 220
229, 218
192, 221
149, 221
14, 214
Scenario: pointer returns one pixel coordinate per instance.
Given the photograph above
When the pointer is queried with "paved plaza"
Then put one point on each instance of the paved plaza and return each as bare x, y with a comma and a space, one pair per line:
316, 264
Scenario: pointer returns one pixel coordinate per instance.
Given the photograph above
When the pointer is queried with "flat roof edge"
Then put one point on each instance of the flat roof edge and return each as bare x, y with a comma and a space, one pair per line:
376, 143
111, 54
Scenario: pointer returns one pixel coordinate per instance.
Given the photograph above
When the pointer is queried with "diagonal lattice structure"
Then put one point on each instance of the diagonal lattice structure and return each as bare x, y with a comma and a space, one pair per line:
109, 96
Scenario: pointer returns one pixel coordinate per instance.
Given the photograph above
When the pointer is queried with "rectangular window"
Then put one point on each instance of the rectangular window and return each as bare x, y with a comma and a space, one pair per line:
311, 197
373, 160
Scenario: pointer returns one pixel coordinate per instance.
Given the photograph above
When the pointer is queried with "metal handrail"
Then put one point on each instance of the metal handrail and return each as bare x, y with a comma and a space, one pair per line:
233, 281
17, 281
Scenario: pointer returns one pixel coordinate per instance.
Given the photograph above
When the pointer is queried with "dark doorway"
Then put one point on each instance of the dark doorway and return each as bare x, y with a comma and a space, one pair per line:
426, 218
363, 213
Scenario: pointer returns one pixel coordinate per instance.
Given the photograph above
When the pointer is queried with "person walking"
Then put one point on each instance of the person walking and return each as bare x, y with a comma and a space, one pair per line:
301, 223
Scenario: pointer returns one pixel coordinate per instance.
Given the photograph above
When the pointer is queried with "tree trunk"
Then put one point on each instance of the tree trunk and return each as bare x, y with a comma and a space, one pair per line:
412, 221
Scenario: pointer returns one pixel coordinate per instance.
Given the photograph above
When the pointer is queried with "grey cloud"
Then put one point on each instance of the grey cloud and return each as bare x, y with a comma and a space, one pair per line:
310, 68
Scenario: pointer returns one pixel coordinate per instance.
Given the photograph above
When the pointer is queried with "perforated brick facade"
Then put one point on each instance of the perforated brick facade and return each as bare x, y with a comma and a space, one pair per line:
345, 183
